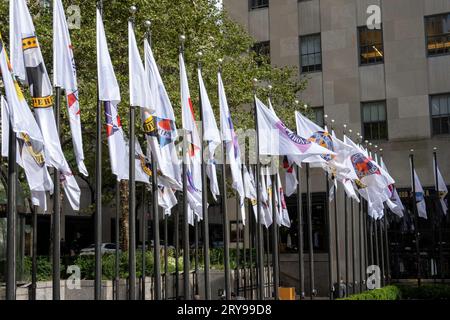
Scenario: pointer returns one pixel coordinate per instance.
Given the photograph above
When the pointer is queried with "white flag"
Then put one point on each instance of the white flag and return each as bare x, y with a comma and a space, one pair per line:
231, 141
140, 93
28, 57
160, 128
420, 197
193, 155
276, 139
211, 136
442, 190
291, 176
65, 77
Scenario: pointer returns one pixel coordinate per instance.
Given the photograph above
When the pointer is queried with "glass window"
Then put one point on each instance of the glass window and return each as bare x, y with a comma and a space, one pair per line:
437, 30
374, 120
319, 116
262, 50
370, 46
256, 4
311, 53
440, 113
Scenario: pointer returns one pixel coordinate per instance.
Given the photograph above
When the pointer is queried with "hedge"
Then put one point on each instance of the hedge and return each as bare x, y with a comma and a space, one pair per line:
405, 292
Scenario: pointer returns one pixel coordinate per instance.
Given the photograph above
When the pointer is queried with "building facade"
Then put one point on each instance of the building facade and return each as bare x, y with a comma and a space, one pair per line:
381, 67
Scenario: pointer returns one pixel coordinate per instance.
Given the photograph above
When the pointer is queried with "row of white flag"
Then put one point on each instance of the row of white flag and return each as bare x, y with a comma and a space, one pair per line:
39, 146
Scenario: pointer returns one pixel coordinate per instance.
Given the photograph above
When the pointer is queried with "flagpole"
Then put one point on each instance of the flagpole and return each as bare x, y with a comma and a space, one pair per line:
155, 207
238, 241
34, 253
98, 193
226, 227
301, 259
56, 267
11, 222
346, 236
259, 229
411, 159
117, 235
177, 246
244, 244
438, 200
386, 241
204, 199
166, 258
144, 247
132, 194
250, 246
330, 231
353, 222
267, 263
336, 229
186, 257
310, 235
275, 256
275, 229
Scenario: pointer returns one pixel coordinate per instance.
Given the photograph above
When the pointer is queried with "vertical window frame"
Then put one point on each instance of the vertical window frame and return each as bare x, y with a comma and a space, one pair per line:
308, 55
378, 123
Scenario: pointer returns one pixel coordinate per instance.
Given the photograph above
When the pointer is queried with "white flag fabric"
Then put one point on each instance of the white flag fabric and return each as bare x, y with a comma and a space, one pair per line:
282, 206
276, 139
159, 126
442, 190
193, 156
38, 178
394, 203
211, 136
140, 93
28, 57
265, 201
109, 93
108, 87
250, 190
420, 197
65, 77
231, 141
291, 177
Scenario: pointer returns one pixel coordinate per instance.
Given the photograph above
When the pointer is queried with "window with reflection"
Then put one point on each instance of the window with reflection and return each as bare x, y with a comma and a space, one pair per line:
437, 30
371, 48
256, 4
310, 53
374, 120
440, 114
318, 115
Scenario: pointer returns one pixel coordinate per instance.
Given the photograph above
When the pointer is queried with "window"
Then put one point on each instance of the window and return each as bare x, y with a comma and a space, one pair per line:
319, 116
440, 113
256, 4
370, 46
374, 120
310, 53
437, 29
262, 50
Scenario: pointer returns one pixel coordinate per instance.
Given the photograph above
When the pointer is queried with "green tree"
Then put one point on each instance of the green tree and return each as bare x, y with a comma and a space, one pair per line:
206, 28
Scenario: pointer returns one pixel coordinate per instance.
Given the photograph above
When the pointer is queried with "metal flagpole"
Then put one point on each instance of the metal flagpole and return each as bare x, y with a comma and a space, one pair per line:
260, 246
56, 265
204, 201
34, 258
267, 262
155, 208
11, 222
372, 257
196, 257
377, 256
330, 241
238, 242
353, 222
346, 239
177, 247
226, 227
166, 257
250, 247
310, 235
98, 194
438, 200
275, 265
144, 230
301, 260
411, 158
383, 268
244, 244
132, 195
186, 257
361, 246
366, 237
117, 235
386, 241
337, 236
